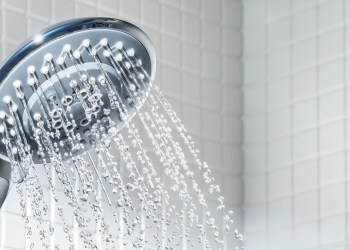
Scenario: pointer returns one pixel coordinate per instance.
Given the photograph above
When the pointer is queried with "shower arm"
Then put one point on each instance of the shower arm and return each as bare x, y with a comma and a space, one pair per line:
5, 177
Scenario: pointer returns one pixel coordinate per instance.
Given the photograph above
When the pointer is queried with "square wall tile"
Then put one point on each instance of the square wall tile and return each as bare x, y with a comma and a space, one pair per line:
333, 229
255, 218
305, 144
85, 10
279, 93
305, 176
280, 239
280, 213
279, 63
304, 84
151, 13
332, 136
18, 4
331, 44
331, 14
232, 160
191, 58
232, 41
172, 81
255, 160
279, 152
212, 66
331, 75
254, 129
231, 71
113, 5
279, 123
131, 9
277, 9
191, 88
191, 28
331, 105
171, 50
305, 114
193, 6
15, 234
230, 125
170, 20
232, 100
254, 42
255, 70
212, 10
211, 96
280, 183
304, 22
305, 54
191, 117
306, 235
332, 200
63, 9
332, 168
212, 36
41, 8
254, 14
20, 32
211, 121
279, 34
255, 189
254, 100
232, 187
305, 207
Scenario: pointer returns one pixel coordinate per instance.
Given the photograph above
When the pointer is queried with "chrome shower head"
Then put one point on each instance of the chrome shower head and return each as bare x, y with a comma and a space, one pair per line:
65, 80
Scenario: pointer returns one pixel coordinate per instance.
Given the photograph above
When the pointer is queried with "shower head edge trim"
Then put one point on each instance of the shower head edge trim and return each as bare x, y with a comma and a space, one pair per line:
77, 24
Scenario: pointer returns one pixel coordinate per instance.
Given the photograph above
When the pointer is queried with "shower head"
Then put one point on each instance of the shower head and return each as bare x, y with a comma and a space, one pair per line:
64, 97
64, 81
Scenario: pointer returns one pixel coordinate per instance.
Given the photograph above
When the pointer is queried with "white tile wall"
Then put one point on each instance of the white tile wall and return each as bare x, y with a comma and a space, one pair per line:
198, 44
296, 99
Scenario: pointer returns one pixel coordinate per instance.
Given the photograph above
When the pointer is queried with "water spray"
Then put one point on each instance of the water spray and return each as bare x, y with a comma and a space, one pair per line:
70, 99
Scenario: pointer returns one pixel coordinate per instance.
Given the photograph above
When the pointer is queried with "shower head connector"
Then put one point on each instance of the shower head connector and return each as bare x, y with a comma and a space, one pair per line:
62, 82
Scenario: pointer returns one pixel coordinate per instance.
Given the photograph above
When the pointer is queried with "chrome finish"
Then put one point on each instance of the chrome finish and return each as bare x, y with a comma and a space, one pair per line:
68, 36
48, 45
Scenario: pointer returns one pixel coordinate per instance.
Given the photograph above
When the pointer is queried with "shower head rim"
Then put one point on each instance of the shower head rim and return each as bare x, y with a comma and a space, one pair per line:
73, 25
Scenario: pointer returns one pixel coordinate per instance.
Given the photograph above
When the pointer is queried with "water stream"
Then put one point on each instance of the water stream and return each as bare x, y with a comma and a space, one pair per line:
140, 187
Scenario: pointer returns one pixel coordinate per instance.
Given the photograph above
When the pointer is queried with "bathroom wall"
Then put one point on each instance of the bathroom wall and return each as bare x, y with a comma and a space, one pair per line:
296, 129
198, 45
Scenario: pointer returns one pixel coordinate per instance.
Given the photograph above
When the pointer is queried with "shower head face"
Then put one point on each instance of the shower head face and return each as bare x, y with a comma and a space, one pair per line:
69, 78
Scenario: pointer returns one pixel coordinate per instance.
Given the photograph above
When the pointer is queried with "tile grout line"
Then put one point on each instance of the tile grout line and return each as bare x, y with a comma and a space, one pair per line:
319, 215
293, 236
266, 78
345, 127
201, 127
181, 60
222, 117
